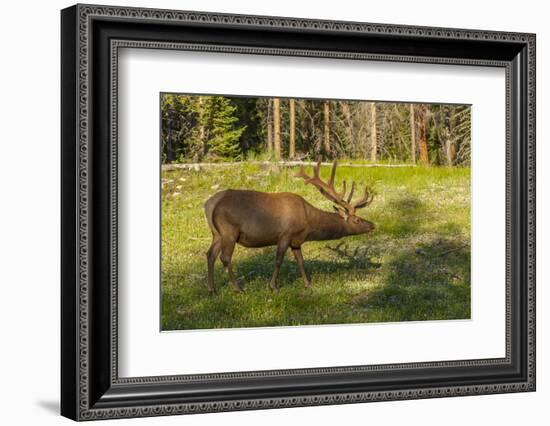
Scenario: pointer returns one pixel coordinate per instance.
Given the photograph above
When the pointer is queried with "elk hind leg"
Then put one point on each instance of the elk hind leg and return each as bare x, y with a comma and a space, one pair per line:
281, 250
297, 252
227, 248
211, 256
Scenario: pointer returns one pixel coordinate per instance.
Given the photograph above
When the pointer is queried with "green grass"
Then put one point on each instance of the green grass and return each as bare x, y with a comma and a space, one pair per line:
415, 266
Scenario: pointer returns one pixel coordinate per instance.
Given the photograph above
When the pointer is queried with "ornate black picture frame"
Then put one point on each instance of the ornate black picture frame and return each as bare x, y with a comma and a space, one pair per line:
91, 387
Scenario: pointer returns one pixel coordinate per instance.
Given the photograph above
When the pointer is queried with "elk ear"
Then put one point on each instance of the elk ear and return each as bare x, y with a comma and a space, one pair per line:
343, 214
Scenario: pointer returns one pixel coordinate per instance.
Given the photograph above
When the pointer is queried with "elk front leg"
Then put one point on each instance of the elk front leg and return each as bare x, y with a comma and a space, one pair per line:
297, 252
225, 257
211, 257
281, 250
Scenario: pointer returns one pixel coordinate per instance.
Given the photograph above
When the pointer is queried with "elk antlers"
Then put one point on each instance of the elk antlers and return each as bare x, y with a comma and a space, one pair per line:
328, 190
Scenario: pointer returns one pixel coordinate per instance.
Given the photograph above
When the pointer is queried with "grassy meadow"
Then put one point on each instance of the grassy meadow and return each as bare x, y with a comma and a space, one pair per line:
415, 266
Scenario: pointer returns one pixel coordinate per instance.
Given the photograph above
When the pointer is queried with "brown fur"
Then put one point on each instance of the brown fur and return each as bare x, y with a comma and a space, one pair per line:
260, 219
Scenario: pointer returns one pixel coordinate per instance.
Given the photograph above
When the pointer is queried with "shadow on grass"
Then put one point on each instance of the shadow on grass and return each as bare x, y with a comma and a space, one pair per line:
260, 266
187, 304
401, 216
415, 281
428, 280
431, 282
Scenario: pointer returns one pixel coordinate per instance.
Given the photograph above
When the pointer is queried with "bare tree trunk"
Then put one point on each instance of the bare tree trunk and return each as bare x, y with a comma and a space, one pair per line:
305, 134
326, 127
422, 142
169, 150
277, 128
373, 144
292, 141
365, 129
450, 152
269, 121
413, 133
202, 128
349, 124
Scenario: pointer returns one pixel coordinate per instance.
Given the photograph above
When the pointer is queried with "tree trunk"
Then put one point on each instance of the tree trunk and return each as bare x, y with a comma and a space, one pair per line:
422, 142
292, 141
326, 128
169, 150
364, 138
305, 133
373, 144
269, 121
413, 133
202, 128
450, 152
349, 125
277, 128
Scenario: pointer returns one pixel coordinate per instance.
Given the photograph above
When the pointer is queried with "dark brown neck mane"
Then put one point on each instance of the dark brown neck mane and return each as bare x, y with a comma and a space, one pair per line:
328, 226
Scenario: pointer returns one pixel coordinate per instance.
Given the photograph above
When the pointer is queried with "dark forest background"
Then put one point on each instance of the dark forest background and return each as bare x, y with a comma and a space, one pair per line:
223, 128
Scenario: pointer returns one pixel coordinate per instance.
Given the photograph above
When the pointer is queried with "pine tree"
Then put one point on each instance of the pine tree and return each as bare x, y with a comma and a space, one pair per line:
175, 126
216, 134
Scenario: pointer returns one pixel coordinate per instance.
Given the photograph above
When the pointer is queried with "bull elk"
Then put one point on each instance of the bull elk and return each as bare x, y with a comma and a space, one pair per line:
260, 219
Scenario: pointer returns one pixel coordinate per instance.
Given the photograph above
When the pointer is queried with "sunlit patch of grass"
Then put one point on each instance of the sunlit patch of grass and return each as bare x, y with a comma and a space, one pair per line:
415, 266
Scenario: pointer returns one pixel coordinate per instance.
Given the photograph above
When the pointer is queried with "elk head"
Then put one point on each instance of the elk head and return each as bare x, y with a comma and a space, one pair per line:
344, 206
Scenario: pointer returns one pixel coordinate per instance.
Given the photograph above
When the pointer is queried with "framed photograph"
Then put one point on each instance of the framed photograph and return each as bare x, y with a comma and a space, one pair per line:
263, 212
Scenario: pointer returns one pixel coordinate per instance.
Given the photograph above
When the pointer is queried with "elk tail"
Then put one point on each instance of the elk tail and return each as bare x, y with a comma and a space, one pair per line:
209, 207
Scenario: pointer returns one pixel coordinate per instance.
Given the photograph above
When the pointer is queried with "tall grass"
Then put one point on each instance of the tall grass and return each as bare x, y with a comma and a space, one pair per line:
415, 266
